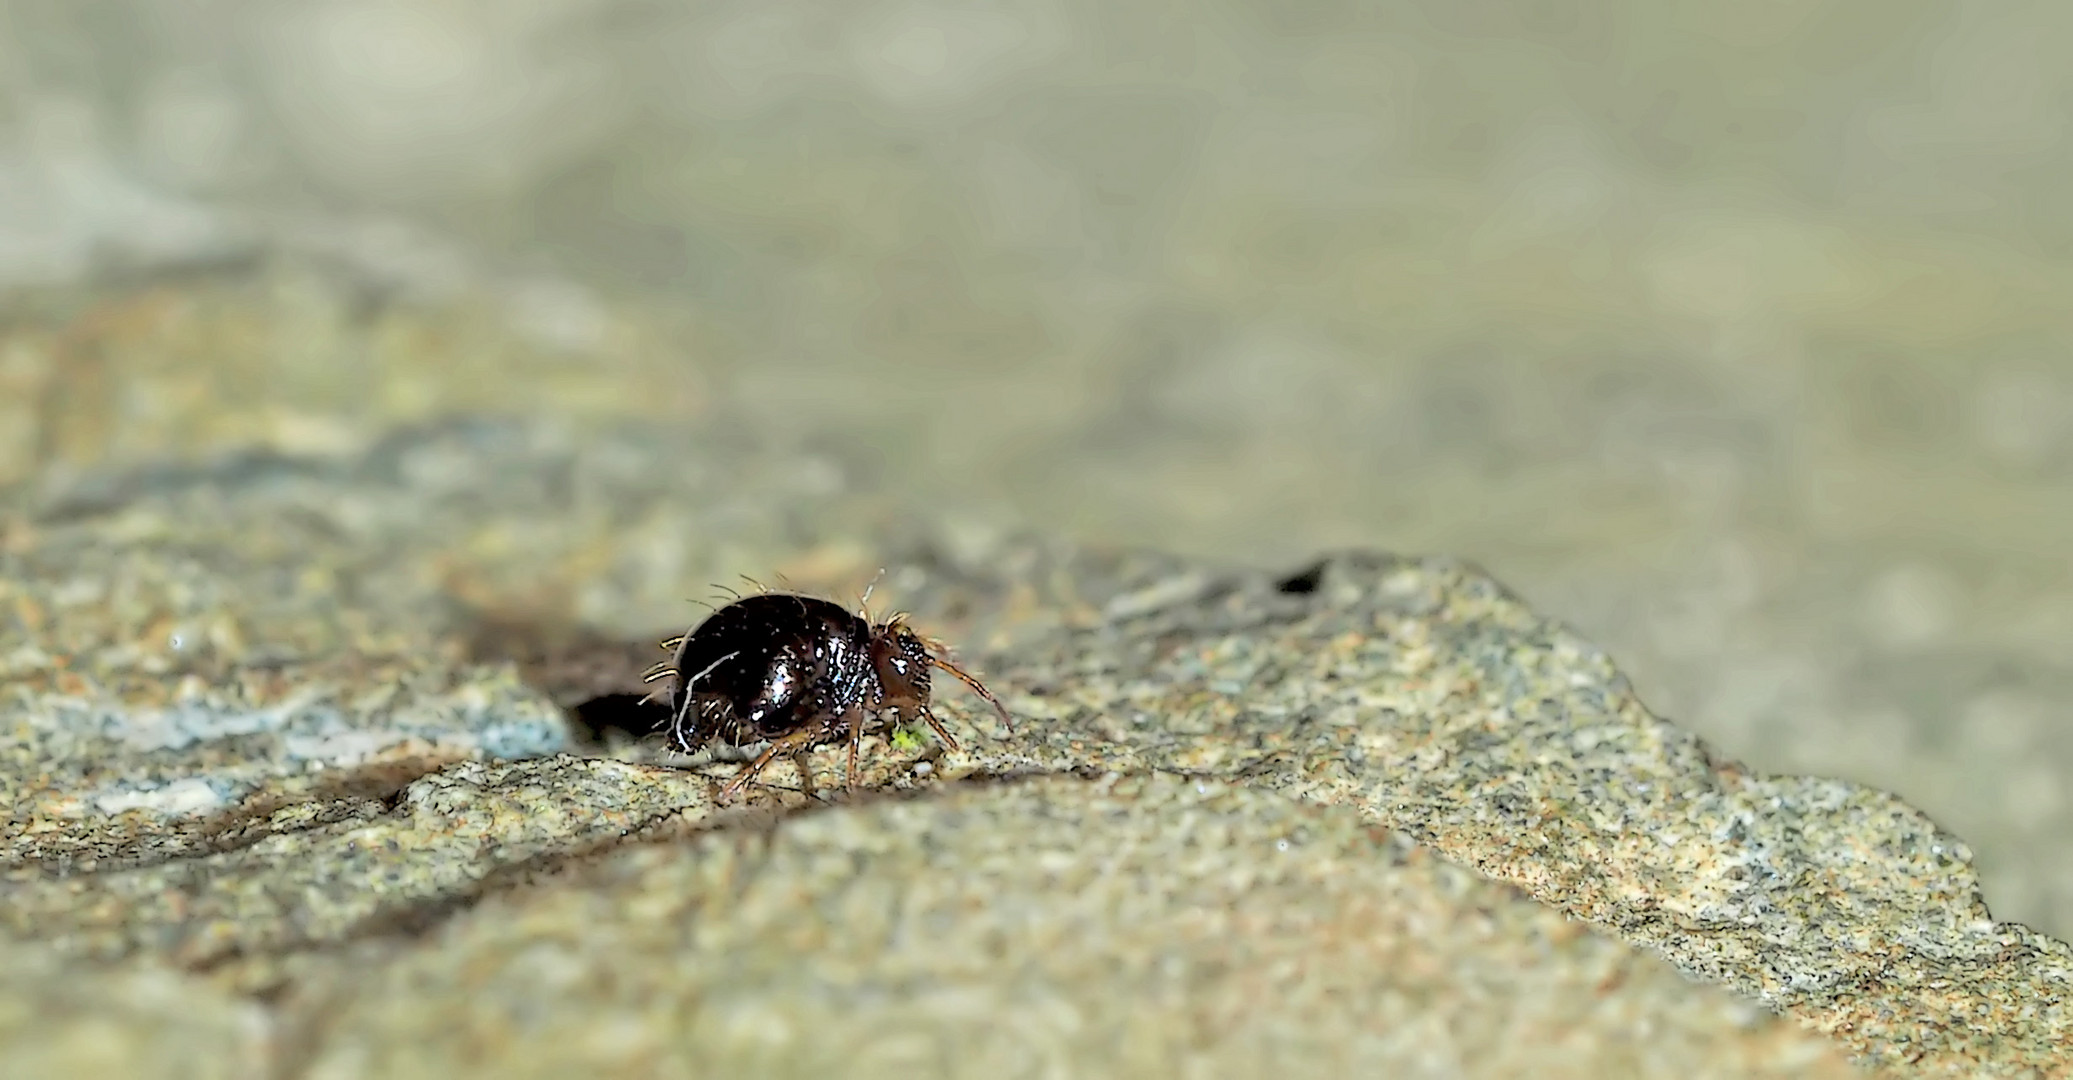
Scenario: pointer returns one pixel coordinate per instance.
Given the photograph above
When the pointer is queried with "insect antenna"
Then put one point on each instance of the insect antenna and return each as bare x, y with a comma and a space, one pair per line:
977, 688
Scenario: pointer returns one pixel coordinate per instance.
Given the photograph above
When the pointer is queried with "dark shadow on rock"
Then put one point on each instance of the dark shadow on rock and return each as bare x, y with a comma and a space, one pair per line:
609, 716
1303, 582
598, 679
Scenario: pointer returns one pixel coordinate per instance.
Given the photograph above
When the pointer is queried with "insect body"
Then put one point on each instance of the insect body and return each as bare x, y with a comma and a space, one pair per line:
800, 673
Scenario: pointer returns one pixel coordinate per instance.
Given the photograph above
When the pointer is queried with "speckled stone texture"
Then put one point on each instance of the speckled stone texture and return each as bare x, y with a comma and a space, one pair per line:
289, 765
1050, 926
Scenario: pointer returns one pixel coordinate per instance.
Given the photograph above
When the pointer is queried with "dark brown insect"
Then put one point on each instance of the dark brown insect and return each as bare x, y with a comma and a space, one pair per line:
800, 673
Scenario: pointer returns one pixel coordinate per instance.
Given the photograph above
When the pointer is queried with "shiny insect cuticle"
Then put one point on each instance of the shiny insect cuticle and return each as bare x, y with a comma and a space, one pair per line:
799, 673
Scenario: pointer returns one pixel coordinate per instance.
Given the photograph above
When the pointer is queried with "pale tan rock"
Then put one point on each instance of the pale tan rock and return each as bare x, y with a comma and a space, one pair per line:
1154, 926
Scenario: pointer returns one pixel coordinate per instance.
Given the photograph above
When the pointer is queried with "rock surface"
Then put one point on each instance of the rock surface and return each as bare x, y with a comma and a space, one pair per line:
310, 685
287, 765
1049, 926
1776, 405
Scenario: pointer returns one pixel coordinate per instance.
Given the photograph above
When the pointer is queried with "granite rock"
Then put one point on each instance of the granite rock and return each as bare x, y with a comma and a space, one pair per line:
293, 733
1151, 925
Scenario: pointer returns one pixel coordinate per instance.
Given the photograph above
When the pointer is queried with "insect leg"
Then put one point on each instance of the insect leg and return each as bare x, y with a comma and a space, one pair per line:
855, 717
936, 726
802, 761
749, 771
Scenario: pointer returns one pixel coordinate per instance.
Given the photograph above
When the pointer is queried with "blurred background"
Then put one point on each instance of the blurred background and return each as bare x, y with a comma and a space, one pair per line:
1735, 334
